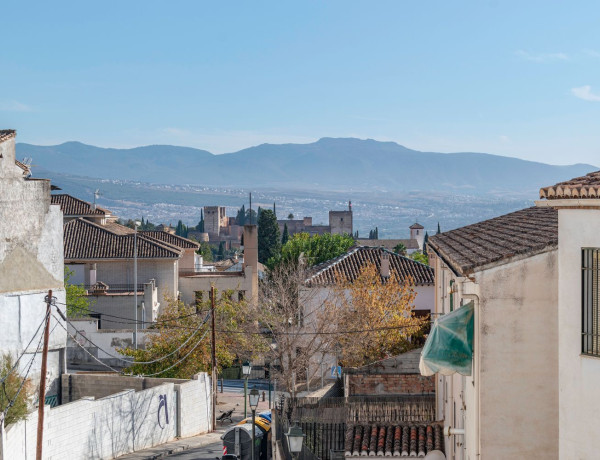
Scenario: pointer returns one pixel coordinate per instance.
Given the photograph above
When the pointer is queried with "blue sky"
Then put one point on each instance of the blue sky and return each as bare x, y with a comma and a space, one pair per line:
512, 78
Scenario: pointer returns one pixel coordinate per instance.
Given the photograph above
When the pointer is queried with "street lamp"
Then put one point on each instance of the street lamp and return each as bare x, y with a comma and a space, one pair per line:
136, 224
253, 398
295, 437
246, 368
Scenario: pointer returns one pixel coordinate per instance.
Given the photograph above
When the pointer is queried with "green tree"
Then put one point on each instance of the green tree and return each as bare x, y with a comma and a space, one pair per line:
420, 257
251, 217
400, 249
200, 226
274, 210
425, 241
221, 253
178, 327
269, 239
290, 216
10, 391
240, 218
205, 251
439, 230
314, 249
78, 303
181, 229
285, 236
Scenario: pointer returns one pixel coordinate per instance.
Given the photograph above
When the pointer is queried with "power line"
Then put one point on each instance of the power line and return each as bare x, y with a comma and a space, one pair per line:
141, 362
12, 402
351, 331
85, 349
25, 349
133, 321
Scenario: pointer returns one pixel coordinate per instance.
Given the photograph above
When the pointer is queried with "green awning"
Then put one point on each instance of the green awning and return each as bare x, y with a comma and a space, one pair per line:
449, 347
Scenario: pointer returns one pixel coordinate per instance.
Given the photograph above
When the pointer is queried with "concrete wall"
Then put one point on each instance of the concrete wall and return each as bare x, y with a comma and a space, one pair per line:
512, 393
235, 281
117, 424
579, 375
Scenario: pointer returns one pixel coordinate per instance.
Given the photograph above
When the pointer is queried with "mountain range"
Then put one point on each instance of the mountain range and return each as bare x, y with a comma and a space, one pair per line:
337, 164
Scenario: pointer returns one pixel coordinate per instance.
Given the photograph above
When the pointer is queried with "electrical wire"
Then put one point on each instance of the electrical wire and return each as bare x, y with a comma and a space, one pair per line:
143, 362
25, 349
129, 320
131, 374
37, 350
178, 362
351, 331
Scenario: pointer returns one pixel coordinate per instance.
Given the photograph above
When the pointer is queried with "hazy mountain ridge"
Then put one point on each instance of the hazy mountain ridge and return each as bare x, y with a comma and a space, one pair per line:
328, 164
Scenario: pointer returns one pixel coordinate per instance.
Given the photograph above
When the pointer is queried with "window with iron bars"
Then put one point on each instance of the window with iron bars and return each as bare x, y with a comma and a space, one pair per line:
590, 301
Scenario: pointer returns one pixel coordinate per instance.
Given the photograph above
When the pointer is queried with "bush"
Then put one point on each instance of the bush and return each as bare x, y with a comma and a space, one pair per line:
9, 389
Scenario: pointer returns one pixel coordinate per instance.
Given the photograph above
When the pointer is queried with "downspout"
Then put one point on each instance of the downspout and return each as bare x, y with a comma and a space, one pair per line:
476, 362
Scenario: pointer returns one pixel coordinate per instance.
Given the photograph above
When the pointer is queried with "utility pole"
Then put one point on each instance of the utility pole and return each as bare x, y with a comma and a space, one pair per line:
135, 333
213, 356
42, 395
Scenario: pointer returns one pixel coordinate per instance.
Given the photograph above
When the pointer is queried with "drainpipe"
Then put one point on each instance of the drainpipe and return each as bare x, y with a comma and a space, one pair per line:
477, 367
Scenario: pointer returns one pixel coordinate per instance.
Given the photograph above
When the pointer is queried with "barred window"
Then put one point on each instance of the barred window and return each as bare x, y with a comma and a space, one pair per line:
590, 300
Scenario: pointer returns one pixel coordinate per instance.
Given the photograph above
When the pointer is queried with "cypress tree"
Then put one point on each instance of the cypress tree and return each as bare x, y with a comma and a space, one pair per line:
221, 252
269, 239
286, 236
274, 211
438, 230
425, 240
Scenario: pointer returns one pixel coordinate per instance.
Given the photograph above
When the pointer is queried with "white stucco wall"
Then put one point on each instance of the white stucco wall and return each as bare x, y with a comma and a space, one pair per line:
513, 392
115, 425
31, 263
579, 375
235, 281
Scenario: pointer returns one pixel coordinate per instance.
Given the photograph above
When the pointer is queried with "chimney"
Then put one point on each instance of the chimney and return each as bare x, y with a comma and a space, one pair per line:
251, 257
384, 264
93, 274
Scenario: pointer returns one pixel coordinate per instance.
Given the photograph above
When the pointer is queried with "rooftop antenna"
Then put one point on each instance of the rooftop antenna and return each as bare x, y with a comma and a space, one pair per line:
96, 196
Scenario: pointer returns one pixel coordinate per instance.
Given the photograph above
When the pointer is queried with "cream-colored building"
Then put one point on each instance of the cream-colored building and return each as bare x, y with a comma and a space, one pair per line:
243, 283
578, 204
507, 408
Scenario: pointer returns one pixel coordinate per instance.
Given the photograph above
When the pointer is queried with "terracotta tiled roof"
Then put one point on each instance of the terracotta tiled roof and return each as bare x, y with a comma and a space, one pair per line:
118, 229
173, 240
350, 264
587, 186
388, 244
6, 134
526, 231
72, 206
416, 225
85, 240
394, 440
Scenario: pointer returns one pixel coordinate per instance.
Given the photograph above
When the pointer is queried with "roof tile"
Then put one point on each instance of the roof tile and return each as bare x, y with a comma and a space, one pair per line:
173, 240
350, 264
89, 241
72, 206
521, 232
587, 186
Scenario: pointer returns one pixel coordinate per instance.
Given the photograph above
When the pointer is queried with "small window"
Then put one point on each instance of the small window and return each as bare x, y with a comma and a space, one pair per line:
590, 300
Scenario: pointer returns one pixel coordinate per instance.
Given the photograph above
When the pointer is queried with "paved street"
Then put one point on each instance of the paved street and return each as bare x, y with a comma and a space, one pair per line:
210, 451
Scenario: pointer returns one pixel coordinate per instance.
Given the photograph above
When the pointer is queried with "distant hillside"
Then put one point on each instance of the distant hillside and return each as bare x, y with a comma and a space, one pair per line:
328, 164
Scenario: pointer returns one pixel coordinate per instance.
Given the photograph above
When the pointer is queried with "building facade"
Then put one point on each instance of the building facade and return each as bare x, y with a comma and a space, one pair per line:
506, 266
578, 204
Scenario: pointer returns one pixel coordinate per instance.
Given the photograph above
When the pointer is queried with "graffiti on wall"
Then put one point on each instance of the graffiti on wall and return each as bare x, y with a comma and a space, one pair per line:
163, 411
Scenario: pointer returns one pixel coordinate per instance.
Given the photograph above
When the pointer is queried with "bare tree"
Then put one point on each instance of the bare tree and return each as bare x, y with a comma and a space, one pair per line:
300, 321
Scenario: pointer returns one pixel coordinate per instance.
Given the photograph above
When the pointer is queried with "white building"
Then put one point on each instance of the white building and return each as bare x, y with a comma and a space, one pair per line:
31, 263
507, 404
578, 205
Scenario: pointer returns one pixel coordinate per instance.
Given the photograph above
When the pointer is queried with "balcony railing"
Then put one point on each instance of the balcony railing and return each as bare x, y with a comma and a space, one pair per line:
115, 288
